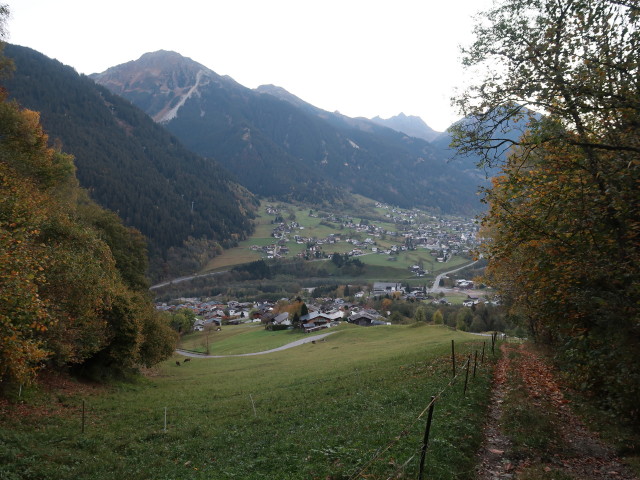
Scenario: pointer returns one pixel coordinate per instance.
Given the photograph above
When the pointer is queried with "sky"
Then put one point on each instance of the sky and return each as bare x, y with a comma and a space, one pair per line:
360, 57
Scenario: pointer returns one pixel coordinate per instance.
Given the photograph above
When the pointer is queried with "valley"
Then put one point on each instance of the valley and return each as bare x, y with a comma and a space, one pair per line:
298, 247
367, 227
202, 280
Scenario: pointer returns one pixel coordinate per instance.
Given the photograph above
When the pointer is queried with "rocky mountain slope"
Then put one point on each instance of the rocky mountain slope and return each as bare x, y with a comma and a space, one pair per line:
280, 146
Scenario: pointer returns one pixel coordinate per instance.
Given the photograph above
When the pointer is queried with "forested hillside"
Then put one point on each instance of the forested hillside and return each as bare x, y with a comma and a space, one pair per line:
280, 146
73, 292
187, 206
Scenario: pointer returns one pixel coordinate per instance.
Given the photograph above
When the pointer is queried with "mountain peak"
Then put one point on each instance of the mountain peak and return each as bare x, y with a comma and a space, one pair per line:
163, 80
410, 125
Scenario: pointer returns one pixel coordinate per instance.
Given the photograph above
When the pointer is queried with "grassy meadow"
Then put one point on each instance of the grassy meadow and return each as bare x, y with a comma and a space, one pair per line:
317, 227
239, 339
350, 407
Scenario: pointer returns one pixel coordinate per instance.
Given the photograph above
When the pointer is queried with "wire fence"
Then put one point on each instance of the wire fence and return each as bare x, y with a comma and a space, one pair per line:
428, 410
474, 357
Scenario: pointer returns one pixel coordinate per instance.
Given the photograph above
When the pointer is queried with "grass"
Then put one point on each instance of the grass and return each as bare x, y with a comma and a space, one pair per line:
238, 339
349, 407
397, 270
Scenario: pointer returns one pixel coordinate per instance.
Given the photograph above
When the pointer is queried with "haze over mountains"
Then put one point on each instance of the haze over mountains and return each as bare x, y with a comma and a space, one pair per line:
411, 125
279, 146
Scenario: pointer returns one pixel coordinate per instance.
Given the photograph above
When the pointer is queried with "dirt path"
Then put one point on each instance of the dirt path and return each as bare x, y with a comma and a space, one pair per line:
524, 382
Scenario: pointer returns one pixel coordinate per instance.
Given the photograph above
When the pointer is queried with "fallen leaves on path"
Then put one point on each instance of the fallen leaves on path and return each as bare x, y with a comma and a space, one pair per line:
575, 453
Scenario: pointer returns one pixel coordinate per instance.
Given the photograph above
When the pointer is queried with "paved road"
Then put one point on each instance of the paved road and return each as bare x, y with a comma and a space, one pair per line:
436, 282
185, 279
284, 347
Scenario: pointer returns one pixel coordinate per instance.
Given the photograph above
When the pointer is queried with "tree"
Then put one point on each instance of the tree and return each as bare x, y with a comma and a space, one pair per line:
572, 60
420, 314
66, 301
386, 304
72, 286
464, 317
561, 97
296, 320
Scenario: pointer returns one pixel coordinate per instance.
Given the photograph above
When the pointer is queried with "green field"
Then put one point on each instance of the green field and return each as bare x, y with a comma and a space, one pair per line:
349, 407
313, 228
237, 339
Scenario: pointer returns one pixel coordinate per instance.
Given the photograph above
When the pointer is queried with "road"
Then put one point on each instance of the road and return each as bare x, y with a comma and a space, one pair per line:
436, 282
186, 279
283, 347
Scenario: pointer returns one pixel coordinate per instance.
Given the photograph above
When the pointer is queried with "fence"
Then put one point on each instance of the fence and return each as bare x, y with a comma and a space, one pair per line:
466, 370
429, 411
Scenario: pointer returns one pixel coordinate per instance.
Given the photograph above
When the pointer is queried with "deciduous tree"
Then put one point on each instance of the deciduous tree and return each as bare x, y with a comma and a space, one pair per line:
562, 234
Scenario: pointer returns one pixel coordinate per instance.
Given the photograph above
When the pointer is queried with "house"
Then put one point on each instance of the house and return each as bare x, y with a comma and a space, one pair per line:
198, 325
281, 319
367, 319
314, 321
384, 288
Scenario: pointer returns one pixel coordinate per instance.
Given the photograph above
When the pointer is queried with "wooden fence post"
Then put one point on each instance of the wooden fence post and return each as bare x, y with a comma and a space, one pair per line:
255, 413
453, 358
475, 363
425, 441
466, 377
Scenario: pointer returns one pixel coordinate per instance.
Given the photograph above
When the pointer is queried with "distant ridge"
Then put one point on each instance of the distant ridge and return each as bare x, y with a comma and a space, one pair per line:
411, 125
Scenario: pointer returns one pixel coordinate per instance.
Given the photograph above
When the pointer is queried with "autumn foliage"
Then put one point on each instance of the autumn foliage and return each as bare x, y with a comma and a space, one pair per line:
562, 233
72, 289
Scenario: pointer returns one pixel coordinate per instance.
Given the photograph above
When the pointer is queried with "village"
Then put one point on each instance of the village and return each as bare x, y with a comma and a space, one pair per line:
318, 313
398, 231
412, 230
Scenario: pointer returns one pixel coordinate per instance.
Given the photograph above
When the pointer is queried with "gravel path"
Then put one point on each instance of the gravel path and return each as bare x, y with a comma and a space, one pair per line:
297, 343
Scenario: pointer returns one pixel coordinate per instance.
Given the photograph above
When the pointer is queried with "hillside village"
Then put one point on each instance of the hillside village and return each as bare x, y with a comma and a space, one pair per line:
396, 231
442, 236
322, 312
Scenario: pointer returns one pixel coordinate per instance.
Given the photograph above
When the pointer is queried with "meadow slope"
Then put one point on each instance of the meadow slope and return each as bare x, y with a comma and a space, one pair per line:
352, 406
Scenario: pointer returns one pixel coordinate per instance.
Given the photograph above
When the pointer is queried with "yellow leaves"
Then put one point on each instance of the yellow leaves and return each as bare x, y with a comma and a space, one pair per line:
38, 327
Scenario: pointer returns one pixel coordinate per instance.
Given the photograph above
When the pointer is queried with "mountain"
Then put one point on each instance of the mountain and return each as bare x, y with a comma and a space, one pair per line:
411, 125
280, 146
131, 165
218, 118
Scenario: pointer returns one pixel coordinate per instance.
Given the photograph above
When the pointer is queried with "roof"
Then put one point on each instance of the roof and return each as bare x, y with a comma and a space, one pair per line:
281, 317
327, 316
387, 287
367, 315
